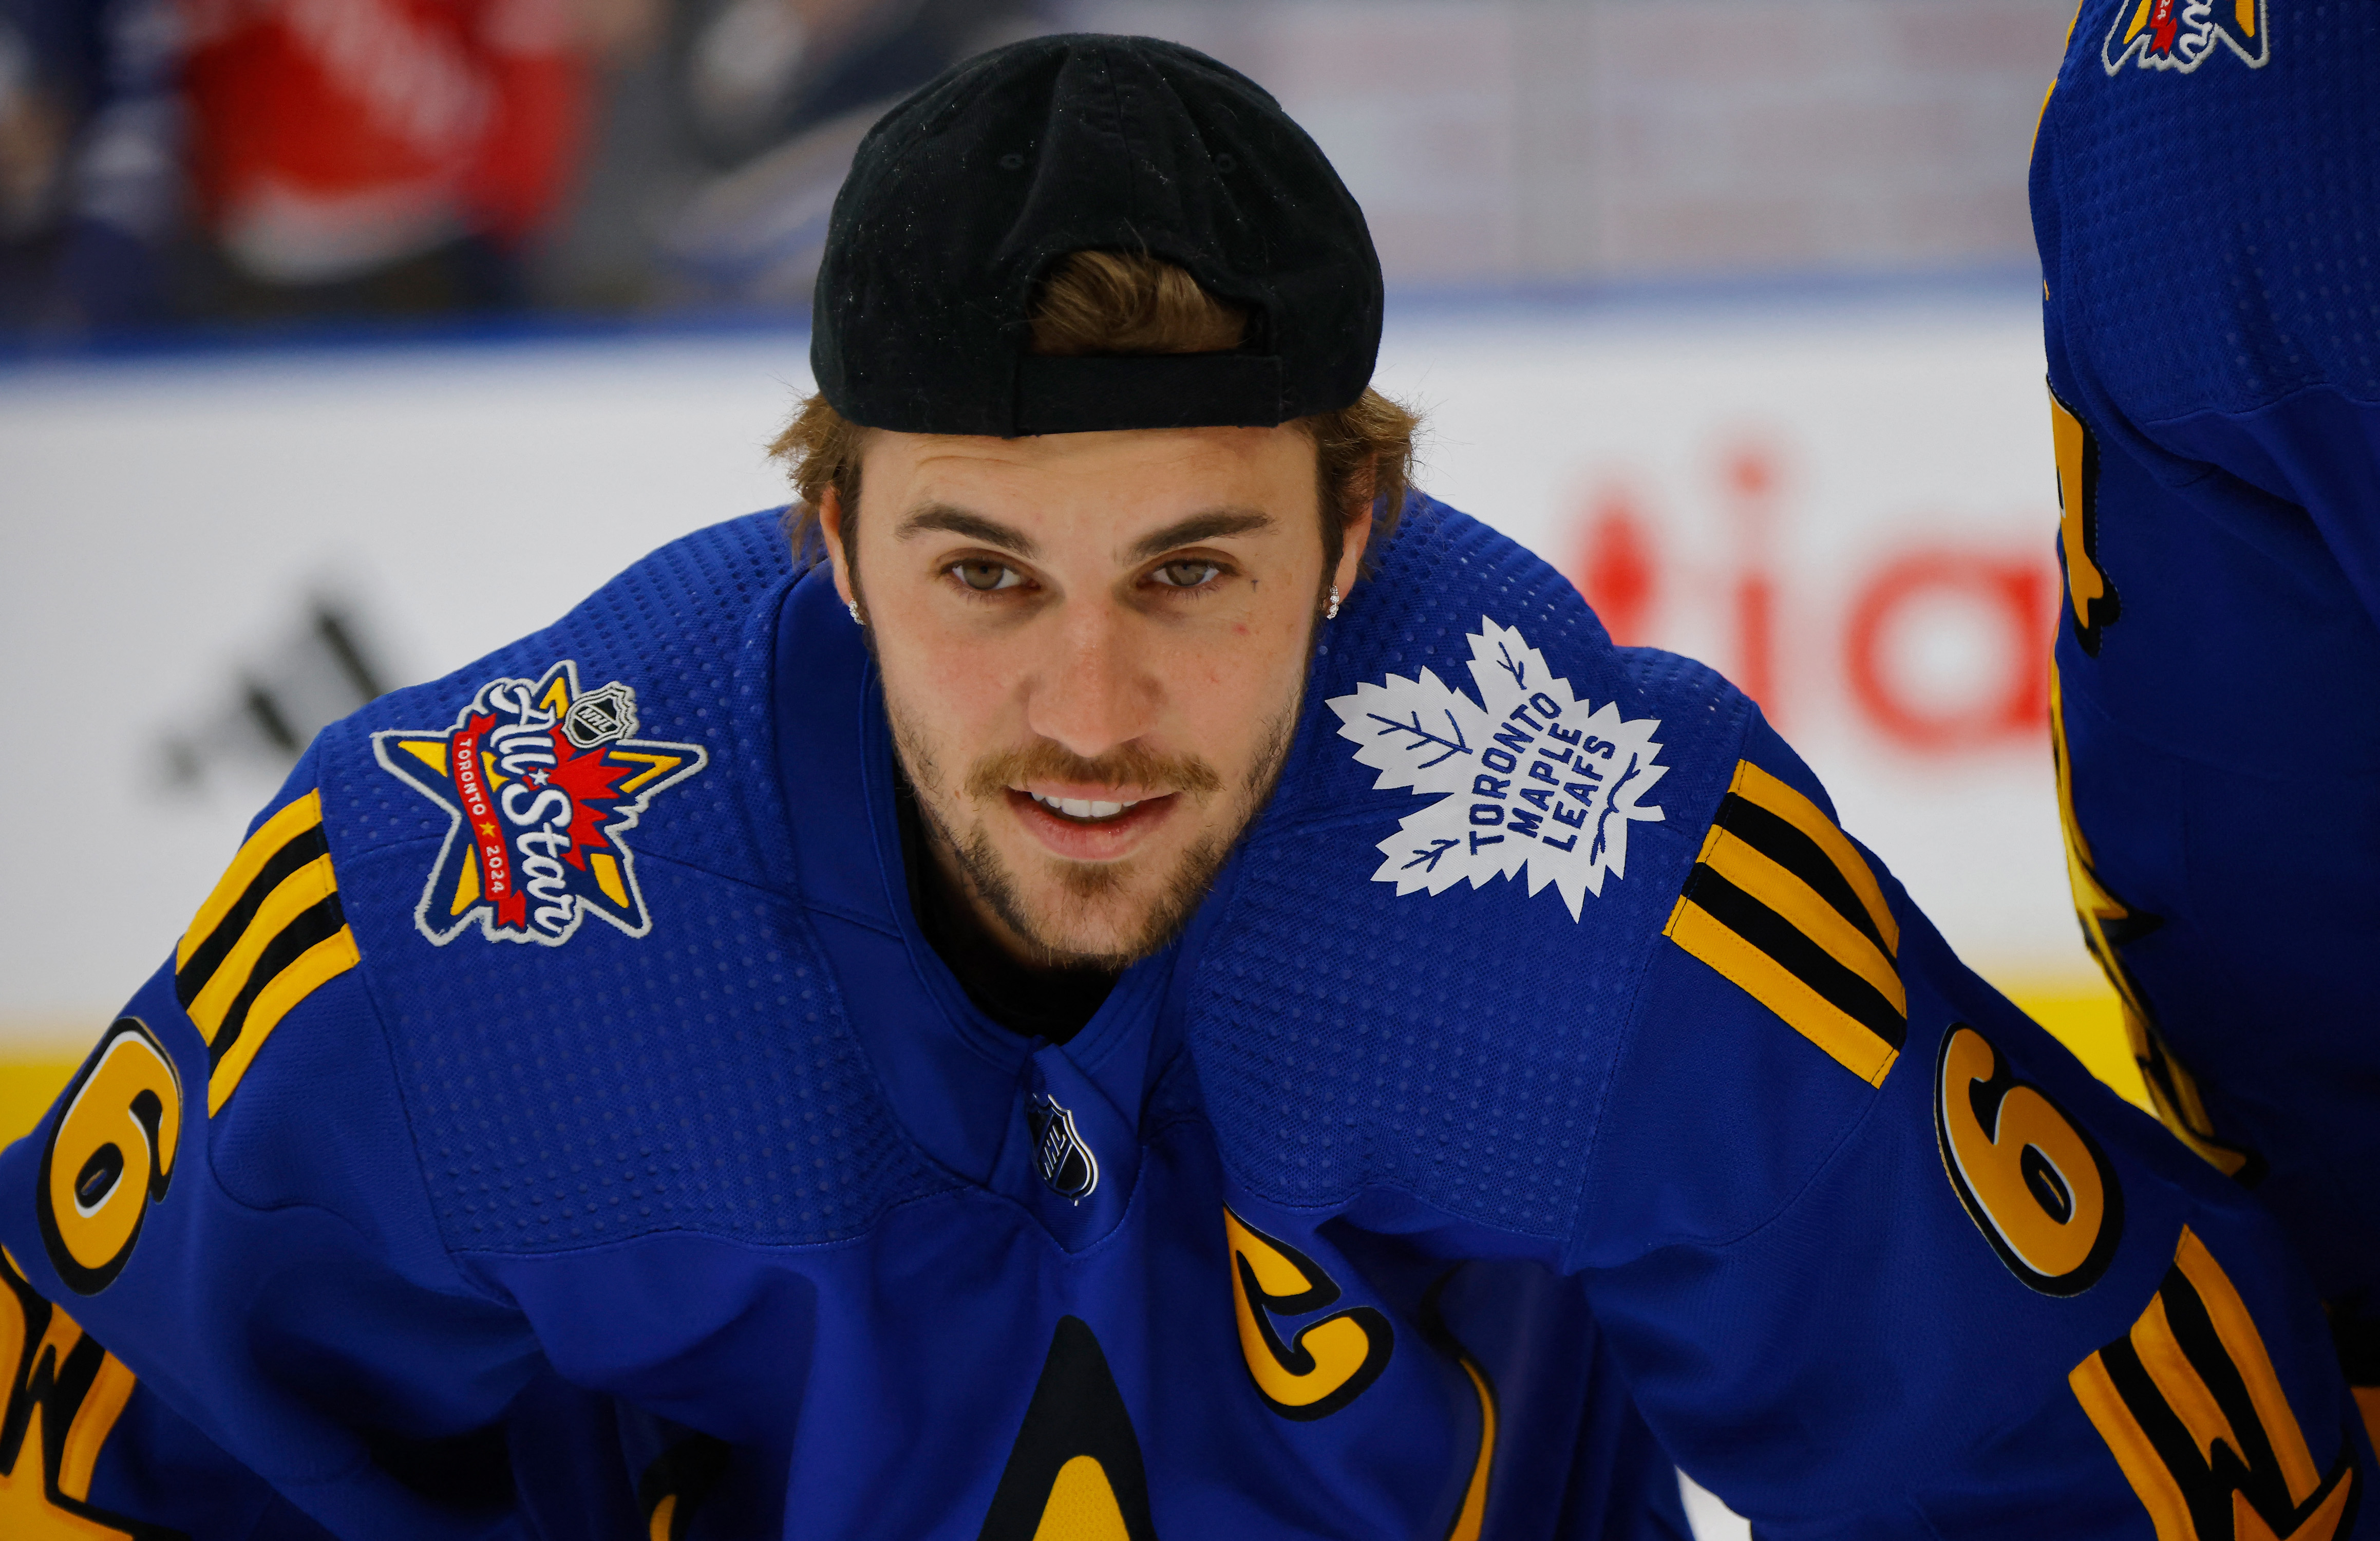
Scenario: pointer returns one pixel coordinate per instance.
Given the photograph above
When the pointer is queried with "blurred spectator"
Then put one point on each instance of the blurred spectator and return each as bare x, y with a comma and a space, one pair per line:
723, 143
375, 156
253, 159
280, 159
89, 141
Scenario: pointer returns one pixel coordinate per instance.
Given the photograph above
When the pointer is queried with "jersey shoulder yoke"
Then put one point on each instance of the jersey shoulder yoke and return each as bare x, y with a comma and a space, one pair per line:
1427, 956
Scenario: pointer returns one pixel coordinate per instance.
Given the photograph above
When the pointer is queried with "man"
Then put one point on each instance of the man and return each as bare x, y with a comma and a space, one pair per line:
1139, 982
2217, 406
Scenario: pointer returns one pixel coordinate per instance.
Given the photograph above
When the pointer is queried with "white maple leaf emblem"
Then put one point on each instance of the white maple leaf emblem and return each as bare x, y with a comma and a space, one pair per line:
1532, 776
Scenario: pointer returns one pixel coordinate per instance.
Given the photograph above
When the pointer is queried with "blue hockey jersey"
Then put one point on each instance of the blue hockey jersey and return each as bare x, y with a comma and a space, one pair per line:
556, 1124
2206, 197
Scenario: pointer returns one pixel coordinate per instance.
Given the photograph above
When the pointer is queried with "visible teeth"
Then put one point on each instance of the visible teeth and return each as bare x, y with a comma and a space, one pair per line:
1082, 807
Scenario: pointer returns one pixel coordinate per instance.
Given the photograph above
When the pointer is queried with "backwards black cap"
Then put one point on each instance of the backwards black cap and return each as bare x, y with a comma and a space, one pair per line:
966, 195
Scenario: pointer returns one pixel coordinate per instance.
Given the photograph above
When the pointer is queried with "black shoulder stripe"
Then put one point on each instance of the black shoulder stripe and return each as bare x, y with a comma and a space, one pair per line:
307, 845
269, 935
1784, 907
1790, 848
318, 923
1771, 933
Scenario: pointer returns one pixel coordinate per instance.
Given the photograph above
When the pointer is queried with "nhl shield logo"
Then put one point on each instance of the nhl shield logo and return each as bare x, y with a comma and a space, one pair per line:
543, 781
2179, 36
1060, 1152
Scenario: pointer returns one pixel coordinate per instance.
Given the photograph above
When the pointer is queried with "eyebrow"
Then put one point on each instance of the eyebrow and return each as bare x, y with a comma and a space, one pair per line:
1213, 524
975, 527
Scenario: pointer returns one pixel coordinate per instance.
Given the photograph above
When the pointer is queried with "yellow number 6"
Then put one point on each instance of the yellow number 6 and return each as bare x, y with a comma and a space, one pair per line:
110, 1156
2037, 1185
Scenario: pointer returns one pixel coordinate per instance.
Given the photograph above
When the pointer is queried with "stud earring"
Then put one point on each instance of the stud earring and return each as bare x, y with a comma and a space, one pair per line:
1332, 612
853, 605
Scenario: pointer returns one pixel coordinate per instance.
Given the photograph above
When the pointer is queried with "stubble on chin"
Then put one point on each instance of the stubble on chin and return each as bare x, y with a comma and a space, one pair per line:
1087, 919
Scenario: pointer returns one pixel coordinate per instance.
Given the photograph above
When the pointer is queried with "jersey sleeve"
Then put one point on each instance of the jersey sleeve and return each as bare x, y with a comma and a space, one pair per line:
1880, 1258
2215, 408
87, 1451
228, 1198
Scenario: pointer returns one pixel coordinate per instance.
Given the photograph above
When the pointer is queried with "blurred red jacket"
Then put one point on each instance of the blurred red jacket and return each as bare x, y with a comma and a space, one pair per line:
330, 138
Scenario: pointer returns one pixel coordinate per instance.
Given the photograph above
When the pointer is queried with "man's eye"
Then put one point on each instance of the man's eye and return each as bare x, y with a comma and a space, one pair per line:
1187, 575
985, 576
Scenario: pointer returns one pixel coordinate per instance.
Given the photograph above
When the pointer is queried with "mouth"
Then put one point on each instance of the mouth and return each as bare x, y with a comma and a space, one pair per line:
1089, 829
1083, 810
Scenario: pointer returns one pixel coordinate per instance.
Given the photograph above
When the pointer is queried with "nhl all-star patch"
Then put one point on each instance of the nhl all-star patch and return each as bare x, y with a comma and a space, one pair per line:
1531, 775
543, 781
2179, 36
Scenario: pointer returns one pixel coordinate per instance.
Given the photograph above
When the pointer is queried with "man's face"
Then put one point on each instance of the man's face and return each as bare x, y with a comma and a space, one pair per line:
1093, 646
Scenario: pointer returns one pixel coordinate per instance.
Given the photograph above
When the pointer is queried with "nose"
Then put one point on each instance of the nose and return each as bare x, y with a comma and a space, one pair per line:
1095, 691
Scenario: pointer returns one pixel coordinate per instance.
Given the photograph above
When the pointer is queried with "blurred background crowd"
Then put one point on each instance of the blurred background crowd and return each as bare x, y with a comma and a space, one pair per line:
258, 164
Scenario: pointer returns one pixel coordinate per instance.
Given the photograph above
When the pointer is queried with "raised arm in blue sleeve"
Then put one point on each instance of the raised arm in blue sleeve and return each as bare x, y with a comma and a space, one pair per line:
2205, 192
1880, 1258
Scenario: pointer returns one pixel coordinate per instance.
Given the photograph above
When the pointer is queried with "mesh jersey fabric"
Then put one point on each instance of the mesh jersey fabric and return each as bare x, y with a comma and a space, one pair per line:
2208, 238
734, 1125
1392, 1047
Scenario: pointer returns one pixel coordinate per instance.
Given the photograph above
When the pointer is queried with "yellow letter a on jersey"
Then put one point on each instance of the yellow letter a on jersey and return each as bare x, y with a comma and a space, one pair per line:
1074, 1472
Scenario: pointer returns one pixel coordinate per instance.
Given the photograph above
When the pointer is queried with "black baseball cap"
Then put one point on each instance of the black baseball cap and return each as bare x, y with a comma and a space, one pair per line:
963, 198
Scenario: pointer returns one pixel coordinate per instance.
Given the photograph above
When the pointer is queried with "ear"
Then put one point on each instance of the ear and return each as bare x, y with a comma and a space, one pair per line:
829, 518
1357, 537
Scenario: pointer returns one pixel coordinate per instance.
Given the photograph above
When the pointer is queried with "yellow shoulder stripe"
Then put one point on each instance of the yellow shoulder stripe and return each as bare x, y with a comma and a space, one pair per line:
1757, 786
1781, 904
288, 899
269, 935
320, 964
1851, 1043
1761, 877
259, 848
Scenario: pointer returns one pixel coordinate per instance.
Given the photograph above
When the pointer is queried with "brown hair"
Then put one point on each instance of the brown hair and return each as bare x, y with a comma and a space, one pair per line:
1114, 302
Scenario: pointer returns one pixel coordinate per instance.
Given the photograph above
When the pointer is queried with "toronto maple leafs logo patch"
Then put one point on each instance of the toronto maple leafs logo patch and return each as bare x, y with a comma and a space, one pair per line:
543, 781
1531, 775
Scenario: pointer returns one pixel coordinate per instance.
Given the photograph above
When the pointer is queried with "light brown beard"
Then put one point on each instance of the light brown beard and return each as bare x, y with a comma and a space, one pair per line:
1083, 884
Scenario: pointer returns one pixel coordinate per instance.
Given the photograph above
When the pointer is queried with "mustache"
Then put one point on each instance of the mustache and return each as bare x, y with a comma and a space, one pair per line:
1131, 765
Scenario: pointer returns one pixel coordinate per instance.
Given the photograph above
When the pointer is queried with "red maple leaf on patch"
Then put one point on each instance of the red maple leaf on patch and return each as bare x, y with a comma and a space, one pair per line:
593, 782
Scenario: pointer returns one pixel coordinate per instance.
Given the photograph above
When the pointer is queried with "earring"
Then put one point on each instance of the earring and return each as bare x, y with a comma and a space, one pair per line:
853, 605
1332, 612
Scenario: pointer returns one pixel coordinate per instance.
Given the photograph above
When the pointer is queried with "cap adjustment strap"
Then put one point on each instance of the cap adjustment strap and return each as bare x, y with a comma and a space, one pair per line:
1167, 390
